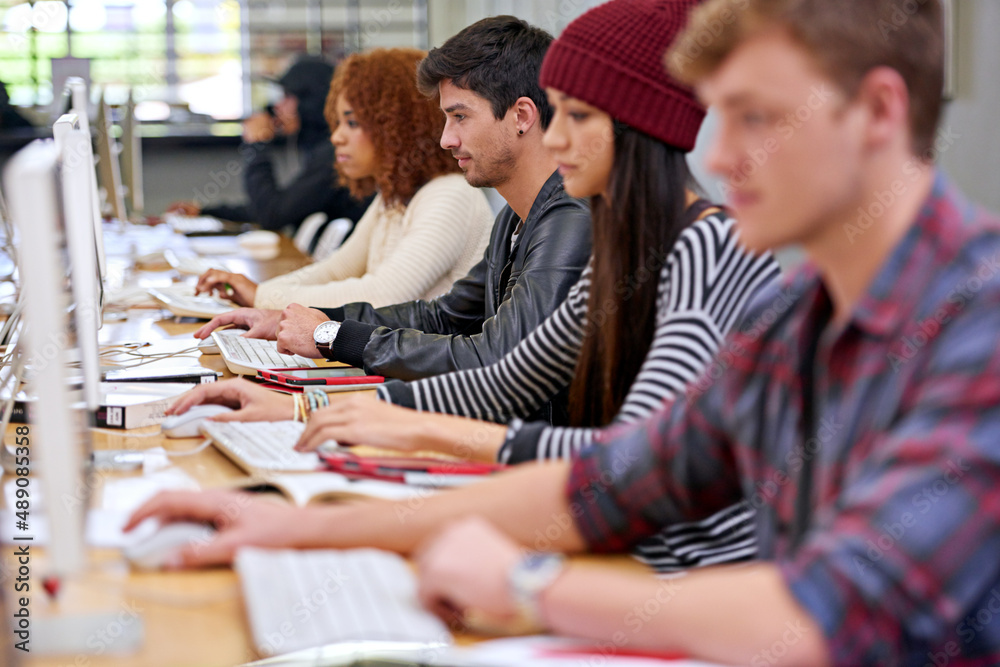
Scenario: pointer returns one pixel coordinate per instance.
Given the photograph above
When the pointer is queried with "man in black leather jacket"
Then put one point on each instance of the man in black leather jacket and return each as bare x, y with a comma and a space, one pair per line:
496, 115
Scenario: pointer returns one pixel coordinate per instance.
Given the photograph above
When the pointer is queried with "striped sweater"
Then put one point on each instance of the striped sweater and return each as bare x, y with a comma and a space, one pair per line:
703, 289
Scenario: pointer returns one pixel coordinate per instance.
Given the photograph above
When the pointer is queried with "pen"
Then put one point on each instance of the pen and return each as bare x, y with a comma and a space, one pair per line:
228, 289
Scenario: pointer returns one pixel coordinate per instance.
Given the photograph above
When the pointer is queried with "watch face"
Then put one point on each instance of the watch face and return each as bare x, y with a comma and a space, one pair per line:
326, 333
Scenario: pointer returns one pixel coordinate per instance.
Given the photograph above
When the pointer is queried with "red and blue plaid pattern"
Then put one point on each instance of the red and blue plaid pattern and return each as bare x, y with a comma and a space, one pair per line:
901, 562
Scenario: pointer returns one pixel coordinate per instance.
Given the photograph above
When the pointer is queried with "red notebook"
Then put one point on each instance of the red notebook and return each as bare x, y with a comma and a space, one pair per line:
408, 470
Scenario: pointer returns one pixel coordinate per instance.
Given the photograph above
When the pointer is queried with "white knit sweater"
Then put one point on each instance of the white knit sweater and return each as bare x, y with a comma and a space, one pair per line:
395, 254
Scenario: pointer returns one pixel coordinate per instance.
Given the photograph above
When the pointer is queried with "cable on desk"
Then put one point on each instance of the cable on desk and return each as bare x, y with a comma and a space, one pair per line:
159, 356
189, 452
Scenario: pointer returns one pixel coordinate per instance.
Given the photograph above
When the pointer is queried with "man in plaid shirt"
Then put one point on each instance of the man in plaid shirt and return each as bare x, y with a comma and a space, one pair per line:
857, 409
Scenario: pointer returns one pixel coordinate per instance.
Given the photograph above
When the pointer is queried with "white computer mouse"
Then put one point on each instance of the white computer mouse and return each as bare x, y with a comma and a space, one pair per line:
208, 346
153, 552
186, 425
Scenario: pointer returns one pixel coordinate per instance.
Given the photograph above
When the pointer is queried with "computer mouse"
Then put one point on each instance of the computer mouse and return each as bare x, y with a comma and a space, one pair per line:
155, 551
208, 346
186, 425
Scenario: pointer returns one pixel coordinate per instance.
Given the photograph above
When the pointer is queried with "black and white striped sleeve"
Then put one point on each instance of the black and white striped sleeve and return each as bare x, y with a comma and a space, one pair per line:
521, 382
704, 287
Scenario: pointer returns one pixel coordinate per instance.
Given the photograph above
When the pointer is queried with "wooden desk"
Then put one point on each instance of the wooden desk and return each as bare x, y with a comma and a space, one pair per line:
189, 617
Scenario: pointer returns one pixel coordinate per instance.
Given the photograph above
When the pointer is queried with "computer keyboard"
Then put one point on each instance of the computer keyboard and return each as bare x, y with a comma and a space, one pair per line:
260, 447
183, 303
191, 265
297, 600
193, 224
246, 356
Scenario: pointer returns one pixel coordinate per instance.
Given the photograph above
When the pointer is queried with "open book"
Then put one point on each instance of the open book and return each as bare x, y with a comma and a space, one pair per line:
305, 488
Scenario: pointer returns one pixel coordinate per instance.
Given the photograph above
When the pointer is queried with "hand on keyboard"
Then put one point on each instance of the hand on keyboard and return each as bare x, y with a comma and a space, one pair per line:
296, 328
233, 286
250, 402
365, 420
259, 323
240, 519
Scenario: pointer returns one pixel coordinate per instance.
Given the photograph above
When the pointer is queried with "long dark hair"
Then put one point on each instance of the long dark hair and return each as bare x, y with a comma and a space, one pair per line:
635, 228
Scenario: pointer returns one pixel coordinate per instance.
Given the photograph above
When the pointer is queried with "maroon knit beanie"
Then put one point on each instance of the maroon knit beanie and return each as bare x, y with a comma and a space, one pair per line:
612, 58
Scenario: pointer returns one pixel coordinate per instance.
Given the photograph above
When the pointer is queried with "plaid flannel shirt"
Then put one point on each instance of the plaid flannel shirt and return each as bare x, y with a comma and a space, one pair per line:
901, 559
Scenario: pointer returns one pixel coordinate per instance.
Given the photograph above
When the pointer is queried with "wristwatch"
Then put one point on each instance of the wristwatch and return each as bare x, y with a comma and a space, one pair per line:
528, 579
324, 335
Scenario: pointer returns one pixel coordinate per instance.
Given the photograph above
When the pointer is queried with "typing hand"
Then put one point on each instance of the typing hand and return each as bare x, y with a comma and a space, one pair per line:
259, 323
463, 573
184, 208
232, 286
363, 420
295, 330
250, 402
240, 519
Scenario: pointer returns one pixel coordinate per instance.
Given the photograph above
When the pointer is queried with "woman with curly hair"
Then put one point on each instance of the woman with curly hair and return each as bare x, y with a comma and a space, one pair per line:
426, 226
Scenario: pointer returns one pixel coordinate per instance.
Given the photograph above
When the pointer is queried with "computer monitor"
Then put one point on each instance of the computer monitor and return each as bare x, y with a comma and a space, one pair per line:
77, 101
32, 181
108, 168
75, 162
132, 160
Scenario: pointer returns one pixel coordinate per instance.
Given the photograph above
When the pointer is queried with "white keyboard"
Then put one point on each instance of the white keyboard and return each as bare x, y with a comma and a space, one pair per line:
191, 265
298, 600
183, 303
246, 356
260, 447
193, 224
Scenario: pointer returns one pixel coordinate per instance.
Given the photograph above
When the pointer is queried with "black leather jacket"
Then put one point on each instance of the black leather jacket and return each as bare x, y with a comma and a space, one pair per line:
486, 313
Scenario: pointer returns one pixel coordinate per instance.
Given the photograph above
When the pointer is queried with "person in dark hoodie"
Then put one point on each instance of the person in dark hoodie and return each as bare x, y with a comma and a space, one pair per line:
314, 188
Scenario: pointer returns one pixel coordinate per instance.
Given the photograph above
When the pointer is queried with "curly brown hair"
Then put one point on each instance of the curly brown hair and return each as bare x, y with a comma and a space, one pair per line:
404, 126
